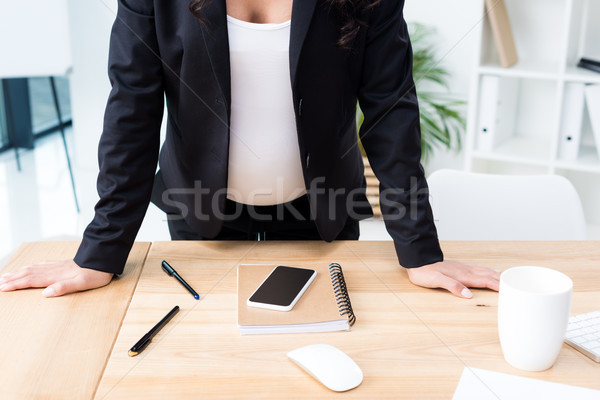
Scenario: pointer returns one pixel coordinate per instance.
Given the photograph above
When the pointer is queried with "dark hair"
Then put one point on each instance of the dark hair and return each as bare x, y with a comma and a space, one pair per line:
349, 14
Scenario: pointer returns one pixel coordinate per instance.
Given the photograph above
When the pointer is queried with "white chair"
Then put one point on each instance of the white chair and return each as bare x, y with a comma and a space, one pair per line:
474, 206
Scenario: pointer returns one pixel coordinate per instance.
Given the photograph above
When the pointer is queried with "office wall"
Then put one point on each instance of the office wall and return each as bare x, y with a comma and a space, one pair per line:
90, 24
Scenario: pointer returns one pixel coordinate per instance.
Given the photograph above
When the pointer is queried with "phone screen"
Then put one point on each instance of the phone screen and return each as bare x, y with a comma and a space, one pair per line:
282, 286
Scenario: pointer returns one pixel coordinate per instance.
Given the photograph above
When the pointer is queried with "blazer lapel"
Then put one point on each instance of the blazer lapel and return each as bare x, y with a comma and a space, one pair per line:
217, 41
302, 11
217, 45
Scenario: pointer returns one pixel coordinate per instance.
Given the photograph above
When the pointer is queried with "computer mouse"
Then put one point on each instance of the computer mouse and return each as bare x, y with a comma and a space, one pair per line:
329, 365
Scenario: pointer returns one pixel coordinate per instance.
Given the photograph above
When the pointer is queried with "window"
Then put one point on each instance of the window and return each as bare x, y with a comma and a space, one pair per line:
33, 109
43, 111
3, 130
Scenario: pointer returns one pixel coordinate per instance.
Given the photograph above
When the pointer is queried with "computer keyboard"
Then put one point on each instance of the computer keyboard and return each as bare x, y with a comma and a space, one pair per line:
583, 333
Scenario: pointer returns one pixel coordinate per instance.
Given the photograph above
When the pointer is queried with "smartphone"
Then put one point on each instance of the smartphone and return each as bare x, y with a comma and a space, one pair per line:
282, 289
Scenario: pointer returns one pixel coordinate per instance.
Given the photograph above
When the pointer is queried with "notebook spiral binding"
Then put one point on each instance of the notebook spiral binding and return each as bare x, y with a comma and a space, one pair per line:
341, 292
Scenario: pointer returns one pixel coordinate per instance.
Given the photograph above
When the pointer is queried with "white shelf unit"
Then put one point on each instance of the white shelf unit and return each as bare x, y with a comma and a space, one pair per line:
550, 36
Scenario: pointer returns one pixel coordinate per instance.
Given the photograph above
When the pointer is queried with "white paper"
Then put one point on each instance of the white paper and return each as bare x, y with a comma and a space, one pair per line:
480, 384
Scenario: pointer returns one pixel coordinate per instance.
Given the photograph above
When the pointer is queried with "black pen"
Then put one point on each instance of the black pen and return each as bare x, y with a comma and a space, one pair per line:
171, 272
143, 342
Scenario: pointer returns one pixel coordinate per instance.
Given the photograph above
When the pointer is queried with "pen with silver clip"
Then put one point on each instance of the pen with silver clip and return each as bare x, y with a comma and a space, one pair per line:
171, 272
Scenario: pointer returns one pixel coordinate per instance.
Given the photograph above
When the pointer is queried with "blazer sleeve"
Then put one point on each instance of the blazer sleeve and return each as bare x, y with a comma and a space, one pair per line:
391, 136
130, 141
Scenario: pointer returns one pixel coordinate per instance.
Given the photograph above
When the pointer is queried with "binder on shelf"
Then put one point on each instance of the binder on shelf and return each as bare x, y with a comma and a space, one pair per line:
592, 98
497, 111
502, 32
571, 121
324, 307
589, 64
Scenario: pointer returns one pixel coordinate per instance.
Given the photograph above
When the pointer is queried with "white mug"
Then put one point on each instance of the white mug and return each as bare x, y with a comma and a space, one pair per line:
533, 311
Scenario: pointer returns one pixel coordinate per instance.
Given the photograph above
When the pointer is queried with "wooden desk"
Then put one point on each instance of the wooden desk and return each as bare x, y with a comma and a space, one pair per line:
57, 348
410, 342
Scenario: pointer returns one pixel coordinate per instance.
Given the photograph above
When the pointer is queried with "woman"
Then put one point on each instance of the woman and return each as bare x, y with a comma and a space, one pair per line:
261, 139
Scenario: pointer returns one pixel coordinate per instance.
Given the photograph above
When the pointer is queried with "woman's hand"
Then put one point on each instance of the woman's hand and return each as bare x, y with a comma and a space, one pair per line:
455, 277
58, 277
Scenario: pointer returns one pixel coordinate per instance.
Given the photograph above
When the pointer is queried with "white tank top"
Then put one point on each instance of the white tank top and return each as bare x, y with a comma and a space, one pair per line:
264, 157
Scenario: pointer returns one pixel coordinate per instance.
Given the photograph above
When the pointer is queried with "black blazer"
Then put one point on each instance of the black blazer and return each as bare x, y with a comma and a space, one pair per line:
159, 50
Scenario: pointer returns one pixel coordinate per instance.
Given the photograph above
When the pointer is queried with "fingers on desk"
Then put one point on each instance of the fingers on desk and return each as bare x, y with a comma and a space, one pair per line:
481, 281
485, 271
75, 279
34, 276
434, 278
459, 286
455, 277
75, 284
454, 286
475, 276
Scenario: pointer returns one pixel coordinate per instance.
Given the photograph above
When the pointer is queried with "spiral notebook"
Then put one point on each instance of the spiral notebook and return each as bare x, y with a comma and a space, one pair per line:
324, 307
